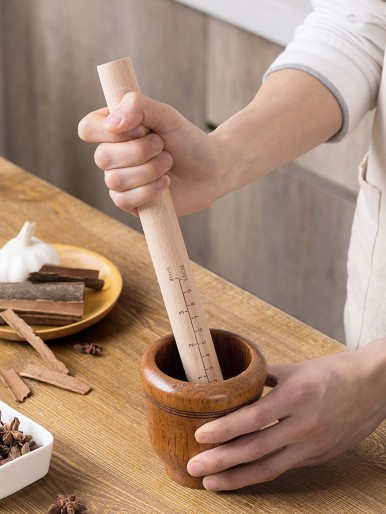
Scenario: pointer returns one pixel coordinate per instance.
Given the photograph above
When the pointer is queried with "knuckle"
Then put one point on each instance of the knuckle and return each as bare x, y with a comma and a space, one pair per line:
158, 168
253, 416
304, 390
133, 99
219, 462
113, 180
102, 157
315, 425
270, 472
142, 151
257, 447
121, 201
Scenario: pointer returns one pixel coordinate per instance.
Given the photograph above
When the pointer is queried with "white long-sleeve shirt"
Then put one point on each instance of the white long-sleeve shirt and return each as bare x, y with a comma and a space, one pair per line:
342, 43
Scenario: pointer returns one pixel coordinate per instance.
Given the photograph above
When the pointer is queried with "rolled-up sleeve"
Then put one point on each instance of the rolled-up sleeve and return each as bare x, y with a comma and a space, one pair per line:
341, 43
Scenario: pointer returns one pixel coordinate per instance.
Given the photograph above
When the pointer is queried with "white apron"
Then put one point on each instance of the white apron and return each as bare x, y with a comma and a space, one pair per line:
365, 309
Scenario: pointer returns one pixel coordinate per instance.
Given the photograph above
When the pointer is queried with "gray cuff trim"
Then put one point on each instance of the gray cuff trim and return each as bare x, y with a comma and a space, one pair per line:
339, 98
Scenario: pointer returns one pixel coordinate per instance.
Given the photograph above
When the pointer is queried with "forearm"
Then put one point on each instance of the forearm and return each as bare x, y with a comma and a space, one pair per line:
292, 113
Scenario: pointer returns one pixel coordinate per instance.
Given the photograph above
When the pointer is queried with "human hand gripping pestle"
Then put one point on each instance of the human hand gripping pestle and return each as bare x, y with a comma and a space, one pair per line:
168, 252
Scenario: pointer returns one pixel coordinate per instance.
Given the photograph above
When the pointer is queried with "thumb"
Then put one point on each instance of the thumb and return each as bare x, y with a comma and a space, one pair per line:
135, 109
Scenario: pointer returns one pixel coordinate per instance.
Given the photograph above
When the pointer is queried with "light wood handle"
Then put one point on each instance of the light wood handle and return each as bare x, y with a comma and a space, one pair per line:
169, 255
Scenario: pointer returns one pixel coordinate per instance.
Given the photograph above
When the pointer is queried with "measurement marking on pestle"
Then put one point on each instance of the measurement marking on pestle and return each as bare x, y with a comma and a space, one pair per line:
197, 330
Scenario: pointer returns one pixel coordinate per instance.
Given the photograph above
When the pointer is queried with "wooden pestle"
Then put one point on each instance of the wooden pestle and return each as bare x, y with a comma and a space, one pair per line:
168, 252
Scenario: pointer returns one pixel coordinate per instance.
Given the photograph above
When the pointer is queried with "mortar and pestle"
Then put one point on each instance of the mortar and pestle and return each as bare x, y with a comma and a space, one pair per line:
195, 374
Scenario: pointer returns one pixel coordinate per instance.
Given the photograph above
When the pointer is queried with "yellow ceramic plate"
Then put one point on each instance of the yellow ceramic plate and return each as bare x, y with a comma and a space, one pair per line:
97, 303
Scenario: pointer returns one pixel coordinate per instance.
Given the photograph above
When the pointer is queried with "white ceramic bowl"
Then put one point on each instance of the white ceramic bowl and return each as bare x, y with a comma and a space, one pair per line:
28, 468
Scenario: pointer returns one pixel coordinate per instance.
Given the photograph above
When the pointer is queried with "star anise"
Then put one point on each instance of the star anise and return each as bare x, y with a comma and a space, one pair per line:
10, 432
4, 450
8, 459
13, 442
90, 348
66, 505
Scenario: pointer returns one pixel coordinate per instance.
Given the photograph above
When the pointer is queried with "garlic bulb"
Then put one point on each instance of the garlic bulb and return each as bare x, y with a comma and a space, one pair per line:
25, 254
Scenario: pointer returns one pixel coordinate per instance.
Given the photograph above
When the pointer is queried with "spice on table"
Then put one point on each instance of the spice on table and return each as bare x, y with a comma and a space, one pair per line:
90, 348
13, 442
52, 273
25, 332
17, 387
66, 505
52, 377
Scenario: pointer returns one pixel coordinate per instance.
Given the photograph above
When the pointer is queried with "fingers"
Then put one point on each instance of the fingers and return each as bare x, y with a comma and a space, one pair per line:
129, 153
133, 185
244, 449
91, 129
135, 109
124, 179
264, 470
128, 120
248, 419
130, 200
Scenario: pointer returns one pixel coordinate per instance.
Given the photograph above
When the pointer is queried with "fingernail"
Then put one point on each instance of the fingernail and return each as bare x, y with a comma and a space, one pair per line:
113, 119
166, 160
156, 142
138, 132
196, 469
211, 484
202, 437
163, 182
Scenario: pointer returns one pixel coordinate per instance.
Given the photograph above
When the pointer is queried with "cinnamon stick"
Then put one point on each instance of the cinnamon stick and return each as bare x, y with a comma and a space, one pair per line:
60, 301
57, 291
61, 380
24, 331
52, 273
17, 387
44, 319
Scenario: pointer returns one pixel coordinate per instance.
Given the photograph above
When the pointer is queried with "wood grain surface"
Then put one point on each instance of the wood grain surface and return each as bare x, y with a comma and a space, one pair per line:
101, 450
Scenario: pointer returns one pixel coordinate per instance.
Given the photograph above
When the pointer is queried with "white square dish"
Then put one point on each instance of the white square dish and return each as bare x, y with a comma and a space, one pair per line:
28, 468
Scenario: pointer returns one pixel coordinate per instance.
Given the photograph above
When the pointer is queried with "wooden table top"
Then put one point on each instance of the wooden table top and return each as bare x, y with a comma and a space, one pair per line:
101, 450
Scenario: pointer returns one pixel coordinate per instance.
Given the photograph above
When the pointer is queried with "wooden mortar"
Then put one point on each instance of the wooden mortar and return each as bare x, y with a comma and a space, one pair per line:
176, 408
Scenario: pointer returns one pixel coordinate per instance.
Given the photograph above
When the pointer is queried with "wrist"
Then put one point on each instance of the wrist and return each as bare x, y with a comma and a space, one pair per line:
237, 145
371, 360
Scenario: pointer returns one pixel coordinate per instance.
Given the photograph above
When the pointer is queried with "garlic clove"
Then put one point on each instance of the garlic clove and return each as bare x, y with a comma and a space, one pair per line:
24, 254
26, 233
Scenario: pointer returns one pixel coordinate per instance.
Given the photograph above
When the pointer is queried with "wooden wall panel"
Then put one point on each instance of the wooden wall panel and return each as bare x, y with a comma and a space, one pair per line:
52, 49
236, 62
3, 111
285, 239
